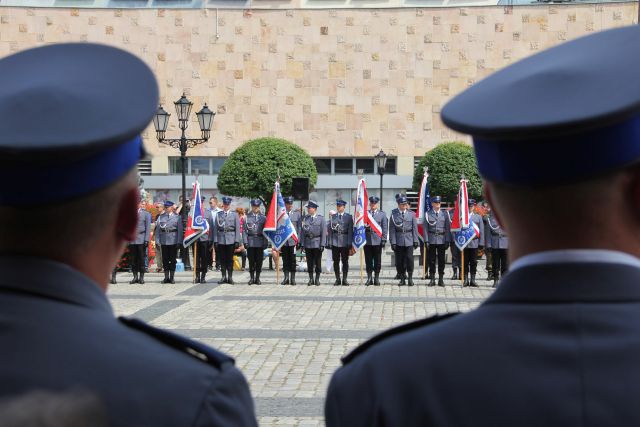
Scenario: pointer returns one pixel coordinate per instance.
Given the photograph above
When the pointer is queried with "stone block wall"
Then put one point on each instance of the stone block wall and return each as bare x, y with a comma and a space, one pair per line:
343, 82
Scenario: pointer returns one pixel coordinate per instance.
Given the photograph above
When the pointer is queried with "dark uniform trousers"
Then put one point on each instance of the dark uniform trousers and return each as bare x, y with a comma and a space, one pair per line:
314, 259
404, 259
340, 254
203, 253
470, 260
226, 256
137, 258
373, 258
439, 252
256, 256
288, 258
455, 256
169, 253
500, 261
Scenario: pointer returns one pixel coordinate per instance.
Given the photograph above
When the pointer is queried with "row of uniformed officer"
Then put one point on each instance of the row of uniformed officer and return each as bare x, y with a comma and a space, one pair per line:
254, 241
226, 238
169, 234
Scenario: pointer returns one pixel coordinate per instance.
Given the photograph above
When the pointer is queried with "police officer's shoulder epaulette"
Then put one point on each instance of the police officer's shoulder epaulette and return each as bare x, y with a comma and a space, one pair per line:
393, 332
199, 351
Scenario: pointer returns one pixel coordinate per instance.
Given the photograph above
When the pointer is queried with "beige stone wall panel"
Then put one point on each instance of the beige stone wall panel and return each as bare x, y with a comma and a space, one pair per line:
337, 82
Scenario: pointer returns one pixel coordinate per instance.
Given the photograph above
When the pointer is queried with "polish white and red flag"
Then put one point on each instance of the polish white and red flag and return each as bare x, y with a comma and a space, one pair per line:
464, 229
424, 203
278, 227
362, 218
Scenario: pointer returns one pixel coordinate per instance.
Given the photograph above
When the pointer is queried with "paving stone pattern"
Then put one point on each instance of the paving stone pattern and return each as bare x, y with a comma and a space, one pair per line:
287, 340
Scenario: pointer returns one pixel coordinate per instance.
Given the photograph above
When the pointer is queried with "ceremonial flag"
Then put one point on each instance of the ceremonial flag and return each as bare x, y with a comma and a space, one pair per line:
197, 225
424, 203
278, 227
464, 229
362, 218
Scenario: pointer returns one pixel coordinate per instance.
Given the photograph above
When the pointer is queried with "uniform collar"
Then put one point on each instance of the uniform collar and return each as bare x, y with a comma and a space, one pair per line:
569, 281
51, 280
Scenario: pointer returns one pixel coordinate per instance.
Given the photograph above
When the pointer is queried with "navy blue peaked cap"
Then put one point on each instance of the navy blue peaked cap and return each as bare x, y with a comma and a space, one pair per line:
563, 115
72, 115
436, 199
312, 204
256, 202
288, 199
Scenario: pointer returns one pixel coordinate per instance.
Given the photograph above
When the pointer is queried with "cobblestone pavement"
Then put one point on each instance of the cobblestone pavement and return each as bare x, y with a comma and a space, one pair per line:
288, 340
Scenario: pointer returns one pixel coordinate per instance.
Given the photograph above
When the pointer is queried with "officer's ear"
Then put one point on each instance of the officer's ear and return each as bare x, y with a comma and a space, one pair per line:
127, 215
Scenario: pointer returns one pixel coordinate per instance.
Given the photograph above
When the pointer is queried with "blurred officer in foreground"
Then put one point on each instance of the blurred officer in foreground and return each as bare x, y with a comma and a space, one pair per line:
339, 238
437, 232
254, 241
204, 244
288, 250
403, 235
170, 225
227, 238
375, 244
138, 247
57, 326
557, 343
498, 241
312, 237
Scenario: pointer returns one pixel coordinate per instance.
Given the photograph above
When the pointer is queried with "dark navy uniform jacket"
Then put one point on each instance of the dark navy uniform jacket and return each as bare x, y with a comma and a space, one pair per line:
557, 344
57, 331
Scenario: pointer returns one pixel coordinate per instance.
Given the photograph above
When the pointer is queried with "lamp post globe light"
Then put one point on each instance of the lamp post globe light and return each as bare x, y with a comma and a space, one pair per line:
183, 110
381, 162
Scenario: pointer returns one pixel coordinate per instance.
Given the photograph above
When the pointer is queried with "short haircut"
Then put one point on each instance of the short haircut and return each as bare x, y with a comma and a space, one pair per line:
69, 227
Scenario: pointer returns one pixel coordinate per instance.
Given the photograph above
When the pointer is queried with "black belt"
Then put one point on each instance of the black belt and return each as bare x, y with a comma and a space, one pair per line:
253, 235
226, 230
173, 230
435, 233
341, 232
499, 234
309, 236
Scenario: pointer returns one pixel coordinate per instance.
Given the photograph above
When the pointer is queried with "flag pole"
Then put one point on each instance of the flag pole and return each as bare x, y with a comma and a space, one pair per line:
425, 227
462, 177
360, 176
195, 260
462, 266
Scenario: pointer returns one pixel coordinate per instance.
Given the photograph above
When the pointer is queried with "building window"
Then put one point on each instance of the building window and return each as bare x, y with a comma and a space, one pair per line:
365, 164
343, 166
199, 166
390, 167
175, 165
216, 164
323, 166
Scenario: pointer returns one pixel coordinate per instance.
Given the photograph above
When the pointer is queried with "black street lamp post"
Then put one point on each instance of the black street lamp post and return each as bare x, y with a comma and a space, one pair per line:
183, 109
381, 161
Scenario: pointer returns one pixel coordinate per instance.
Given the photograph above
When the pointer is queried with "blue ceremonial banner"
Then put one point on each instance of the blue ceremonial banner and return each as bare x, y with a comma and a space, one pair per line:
465, 236
197, 224
278, 227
